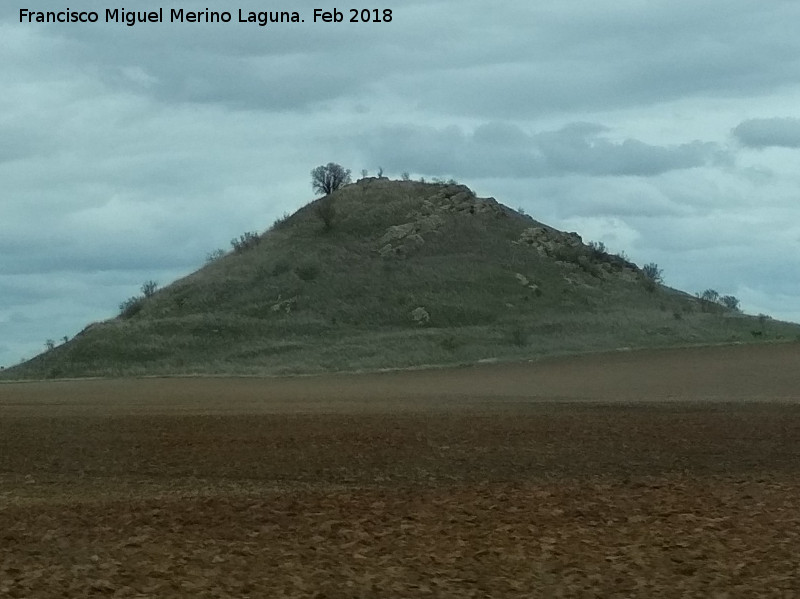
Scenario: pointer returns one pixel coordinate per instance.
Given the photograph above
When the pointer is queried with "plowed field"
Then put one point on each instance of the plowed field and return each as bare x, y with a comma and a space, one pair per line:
634, 474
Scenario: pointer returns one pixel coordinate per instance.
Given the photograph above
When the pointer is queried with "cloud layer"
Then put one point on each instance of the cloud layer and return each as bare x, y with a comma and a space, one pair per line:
764, 133
500, 149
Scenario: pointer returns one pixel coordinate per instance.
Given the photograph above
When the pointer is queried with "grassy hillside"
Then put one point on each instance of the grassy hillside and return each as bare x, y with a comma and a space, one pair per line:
407, 274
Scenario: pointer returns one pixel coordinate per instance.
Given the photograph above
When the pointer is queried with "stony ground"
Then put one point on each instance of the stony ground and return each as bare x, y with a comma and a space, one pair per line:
660, 474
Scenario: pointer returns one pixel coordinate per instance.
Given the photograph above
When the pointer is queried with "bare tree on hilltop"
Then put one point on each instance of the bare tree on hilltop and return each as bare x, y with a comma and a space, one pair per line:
327, 179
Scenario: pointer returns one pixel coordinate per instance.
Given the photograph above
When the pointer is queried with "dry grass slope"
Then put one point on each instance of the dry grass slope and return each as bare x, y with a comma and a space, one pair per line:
408, 274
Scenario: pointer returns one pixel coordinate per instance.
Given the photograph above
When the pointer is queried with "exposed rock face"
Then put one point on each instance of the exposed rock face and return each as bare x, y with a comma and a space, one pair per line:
568, 250
402, 239
400, 242
549, 242
460, 198
397, 233
525, 282
286, 305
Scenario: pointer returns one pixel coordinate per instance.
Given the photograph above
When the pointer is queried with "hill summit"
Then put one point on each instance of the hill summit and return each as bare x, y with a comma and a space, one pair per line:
395, 274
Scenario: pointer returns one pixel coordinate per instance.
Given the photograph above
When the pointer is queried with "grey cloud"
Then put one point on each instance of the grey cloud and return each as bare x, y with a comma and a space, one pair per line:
13, 294
16, 142
763, 133
241, 66
580, 148
498, 149
263, 83
116, 235
92, 257
544, 59
608, 56
580, 196
726, 269
501, 135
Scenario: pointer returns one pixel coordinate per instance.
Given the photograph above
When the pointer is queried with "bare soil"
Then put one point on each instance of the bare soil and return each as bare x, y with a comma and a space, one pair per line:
633, 474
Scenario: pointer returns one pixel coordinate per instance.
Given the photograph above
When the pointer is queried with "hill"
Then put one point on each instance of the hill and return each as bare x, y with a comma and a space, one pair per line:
395, 274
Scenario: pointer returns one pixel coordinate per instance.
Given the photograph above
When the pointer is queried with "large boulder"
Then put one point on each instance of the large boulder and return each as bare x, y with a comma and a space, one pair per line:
420, 316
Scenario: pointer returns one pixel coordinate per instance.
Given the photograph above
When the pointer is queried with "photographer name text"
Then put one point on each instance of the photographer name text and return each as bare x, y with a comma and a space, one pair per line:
180, 15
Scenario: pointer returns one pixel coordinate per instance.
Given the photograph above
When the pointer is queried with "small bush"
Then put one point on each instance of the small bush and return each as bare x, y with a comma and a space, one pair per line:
214, 256
598, 251
597, 247
307, 272
653, 276
281, 266
588, 266
281, 222
406, 176
568, 253
131, 307
709, 295
711, 301
149, 288
55, 372
326, 211
677, 315
450, 343
518, 335
246, 241
730, 302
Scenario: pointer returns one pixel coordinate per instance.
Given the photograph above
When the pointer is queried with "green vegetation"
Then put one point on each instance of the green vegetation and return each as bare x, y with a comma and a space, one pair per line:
131, 307
215, 255
712, 301
149, 288
730, 302
246, 241
652, 276
326, 211
408, 274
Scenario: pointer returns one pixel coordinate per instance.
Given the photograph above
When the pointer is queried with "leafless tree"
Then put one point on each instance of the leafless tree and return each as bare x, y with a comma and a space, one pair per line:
327, 179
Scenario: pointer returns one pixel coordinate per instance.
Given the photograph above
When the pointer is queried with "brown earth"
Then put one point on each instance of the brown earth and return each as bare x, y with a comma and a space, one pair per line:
633, 474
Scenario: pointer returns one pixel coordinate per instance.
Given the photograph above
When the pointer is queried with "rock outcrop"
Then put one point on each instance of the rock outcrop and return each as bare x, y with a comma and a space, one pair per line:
421, 316
549, 242
400, 240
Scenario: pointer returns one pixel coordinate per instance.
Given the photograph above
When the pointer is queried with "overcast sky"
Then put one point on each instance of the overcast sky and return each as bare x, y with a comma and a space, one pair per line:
669, 130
